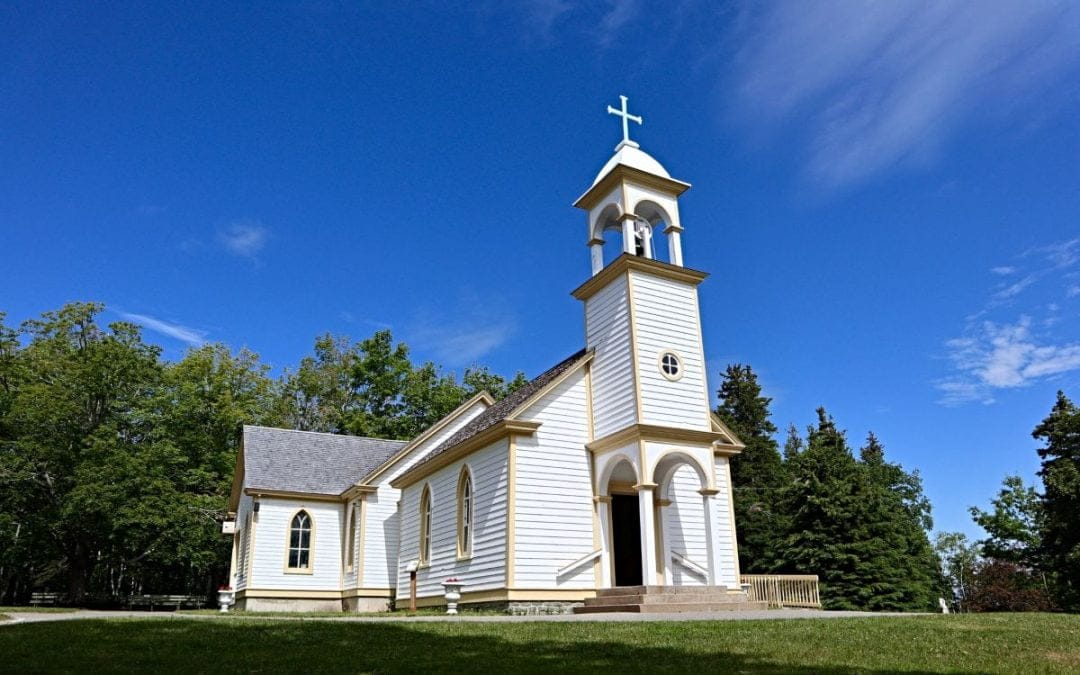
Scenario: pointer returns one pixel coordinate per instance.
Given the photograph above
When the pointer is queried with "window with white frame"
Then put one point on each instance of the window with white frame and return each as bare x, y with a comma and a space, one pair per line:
671, 365
300, 542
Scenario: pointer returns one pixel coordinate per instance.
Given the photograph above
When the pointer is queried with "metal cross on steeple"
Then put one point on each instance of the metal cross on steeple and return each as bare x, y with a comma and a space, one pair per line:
626, 117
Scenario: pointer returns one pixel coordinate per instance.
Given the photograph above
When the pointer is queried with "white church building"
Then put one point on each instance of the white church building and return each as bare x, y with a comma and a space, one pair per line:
608, 470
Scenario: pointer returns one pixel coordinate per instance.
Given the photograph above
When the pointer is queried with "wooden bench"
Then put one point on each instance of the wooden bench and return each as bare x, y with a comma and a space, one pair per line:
173, 602
39, 599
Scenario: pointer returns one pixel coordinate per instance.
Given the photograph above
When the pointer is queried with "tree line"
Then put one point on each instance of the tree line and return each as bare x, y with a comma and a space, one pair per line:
1030, 559
116, 465
859, 522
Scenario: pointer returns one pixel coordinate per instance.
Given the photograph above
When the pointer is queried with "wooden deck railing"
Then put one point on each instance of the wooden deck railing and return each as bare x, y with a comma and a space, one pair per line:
784, 590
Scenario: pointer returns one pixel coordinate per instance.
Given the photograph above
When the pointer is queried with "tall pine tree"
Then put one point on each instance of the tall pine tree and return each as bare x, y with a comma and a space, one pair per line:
1060, 474
757, 473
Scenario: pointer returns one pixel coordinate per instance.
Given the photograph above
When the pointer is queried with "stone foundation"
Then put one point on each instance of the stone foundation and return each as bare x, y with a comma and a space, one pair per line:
288, 605
522, 608
366, 604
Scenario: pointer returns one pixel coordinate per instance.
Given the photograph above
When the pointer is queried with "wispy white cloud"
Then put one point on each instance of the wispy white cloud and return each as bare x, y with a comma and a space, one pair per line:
620, 13
997, 351
876, 84
1015, 289
244, 238
463, 333
996, 356
177, 331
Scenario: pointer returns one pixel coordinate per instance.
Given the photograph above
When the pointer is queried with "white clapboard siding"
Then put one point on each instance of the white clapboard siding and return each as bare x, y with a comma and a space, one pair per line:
607, 330
666, 319
486, 569
553, 494
684, 526
723, 516
239, 574
381, 510
271, 532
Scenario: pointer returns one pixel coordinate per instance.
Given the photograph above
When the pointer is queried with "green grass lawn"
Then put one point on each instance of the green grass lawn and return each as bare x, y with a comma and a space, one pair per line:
45, 610
1034, 643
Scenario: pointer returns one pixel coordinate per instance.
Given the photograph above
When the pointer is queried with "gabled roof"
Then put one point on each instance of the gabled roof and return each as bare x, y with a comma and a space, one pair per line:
504, 409
481, 398
285, 460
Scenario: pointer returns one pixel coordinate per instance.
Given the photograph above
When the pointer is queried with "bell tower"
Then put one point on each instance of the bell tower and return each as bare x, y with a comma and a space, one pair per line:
641, 311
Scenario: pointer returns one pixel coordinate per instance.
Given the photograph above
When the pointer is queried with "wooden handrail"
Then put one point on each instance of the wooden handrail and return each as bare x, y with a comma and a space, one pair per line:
689, 564
579, 562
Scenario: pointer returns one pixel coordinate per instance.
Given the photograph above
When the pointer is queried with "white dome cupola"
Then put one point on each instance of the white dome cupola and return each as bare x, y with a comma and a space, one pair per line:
633, 195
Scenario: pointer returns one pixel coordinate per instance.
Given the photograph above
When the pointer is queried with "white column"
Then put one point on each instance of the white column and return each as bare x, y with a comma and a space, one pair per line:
648, 534
628, 234
674, 245
712, 531
603, 508
596, 252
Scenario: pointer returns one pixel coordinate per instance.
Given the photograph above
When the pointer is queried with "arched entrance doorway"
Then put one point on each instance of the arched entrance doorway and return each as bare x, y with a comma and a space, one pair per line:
625, 526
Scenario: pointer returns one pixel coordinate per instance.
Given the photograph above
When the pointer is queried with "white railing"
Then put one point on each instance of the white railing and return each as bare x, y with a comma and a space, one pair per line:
579, 562
689, 564
783, 590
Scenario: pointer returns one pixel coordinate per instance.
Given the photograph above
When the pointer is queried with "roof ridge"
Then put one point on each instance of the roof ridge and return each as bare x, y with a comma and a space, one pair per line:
323, 433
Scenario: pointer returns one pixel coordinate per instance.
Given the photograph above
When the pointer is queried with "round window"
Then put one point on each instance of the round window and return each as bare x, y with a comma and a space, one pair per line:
670, 365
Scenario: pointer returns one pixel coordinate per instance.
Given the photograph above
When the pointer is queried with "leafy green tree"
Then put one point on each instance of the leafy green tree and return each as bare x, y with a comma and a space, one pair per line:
793, 443
70, 416
319, 395
959, 558
1060, 502
1013, 525
757, 473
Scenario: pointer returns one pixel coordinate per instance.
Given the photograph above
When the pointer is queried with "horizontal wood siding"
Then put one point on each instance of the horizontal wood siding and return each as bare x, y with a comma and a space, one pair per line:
666, 319
271, 531
553, 494
486, 570
725, 531
381, 510
684, 526
607, 330
243, 547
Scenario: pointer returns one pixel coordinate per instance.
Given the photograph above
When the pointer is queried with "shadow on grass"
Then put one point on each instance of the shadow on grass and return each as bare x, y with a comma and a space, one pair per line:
323, 647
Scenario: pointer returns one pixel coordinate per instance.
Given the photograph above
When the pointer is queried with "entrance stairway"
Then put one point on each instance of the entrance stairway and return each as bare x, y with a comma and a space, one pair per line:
668, 599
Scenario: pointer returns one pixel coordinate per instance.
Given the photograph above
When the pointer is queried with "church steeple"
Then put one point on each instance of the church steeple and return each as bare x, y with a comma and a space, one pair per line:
635, 197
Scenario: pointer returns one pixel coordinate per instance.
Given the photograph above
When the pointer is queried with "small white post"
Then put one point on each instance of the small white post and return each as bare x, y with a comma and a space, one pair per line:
648, 534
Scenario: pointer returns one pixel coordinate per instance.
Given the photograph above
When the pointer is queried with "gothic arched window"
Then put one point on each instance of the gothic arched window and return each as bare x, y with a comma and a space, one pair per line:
425, 526
300, 529
465, 514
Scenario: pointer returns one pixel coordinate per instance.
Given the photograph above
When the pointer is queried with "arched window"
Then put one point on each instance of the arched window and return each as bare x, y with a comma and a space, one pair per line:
464, 514
425, 526
300, 542
350, 542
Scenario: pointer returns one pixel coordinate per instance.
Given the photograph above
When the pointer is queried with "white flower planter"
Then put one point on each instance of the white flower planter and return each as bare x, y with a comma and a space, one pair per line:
226, 599
452, 593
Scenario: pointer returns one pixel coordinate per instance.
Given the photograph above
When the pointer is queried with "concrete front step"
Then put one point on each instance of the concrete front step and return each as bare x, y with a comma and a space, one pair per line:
674, 608
663, 590
666, 598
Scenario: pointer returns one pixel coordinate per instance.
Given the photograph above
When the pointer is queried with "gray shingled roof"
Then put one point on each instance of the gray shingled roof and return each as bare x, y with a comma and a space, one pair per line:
306, 461
501, 410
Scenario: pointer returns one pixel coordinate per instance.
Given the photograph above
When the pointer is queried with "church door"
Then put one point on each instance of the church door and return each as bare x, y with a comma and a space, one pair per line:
626, 533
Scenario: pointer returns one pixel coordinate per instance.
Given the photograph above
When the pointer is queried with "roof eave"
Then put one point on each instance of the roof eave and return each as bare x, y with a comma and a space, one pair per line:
486, 437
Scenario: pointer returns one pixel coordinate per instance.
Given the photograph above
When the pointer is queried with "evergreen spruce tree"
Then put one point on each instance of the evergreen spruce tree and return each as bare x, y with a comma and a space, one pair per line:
1060, 473
858, 524
756, 473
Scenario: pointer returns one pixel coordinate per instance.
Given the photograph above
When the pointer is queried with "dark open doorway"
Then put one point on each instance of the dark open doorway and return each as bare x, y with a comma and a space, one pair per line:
626, 536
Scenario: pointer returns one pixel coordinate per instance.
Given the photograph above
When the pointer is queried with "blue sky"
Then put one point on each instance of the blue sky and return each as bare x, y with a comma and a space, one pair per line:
885, 194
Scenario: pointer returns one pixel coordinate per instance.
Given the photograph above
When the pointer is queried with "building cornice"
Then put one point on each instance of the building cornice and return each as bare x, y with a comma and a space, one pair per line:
626, 263
636, 433
486, 437
628, 174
